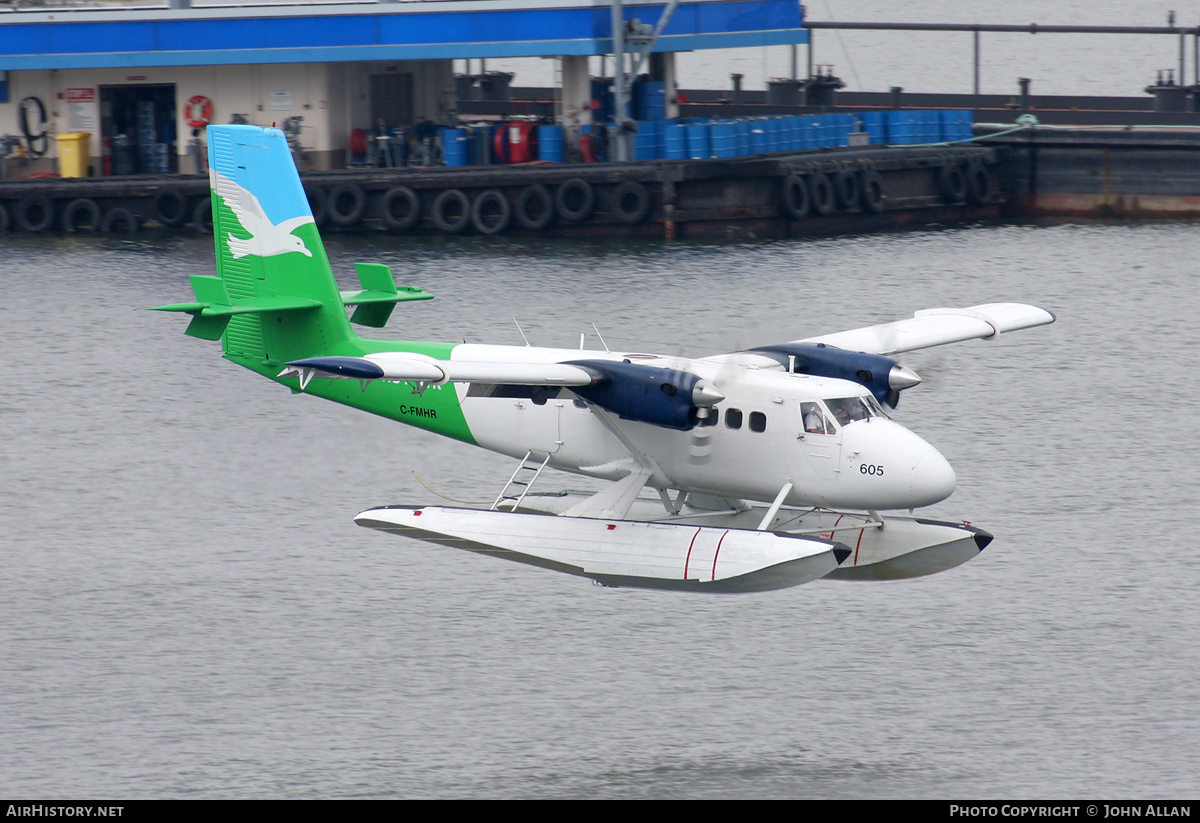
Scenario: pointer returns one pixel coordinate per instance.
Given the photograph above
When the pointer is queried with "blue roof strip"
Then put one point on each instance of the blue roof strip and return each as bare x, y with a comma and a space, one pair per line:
364, 32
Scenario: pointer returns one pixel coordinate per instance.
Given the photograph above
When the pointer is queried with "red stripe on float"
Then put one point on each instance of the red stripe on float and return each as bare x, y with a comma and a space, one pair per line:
718, 554
688, 559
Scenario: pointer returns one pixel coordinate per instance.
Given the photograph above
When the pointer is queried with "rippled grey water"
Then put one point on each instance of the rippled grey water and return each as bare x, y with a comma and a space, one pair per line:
187, 609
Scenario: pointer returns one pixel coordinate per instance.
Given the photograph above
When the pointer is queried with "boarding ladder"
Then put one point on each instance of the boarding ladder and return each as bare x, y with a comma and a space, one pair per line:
520, 483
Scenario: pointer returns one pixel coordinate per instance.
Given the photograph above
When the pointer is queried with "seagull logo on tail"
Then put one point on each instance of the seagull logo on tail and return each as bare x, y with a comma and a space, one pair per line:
267, 239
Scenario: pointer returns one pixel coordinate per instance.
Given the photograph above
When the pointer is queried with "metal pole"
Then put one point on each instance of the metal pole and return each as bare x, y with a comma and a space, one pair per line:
976, 34
1182, 51
616, 145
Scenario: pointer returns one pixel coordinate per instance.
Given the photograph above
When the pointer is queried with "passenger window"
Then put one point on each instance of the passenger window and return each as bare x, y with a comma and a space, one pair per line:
713, 418
733, 418
758, 422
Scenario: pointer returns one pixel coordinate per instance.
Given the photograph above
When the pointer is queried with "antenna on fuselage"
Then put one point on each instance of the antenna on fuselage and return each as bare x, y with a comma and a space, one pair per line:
598, 334
523, 337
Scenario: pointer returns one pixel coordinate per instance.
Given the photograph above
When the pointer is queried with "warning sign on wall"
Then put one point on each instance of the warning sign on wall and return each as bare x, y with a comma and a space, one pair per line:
82, 111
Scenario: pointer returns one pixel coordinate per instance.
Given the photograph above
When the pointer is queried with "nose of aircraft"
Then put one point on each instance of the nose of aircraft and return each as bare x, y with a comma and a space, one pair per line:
890, 467
933, 478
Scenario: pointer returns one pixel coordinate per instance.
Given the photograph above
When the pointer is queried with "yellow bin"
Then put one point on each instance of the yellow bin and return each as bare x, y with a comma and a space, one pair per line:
73, 153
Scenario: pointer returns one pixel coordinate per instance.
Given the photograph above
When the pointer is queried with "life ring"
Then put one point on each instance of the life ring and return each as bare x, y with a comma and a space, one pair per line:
523, 141
796, 200
202, 216
120, 220
500, 146
821, 195
575, 200
952, 183
81, 213
846, 189
451, 211
534, 207
873, 199
981, 185
347, 203
631, 202
170, 207
400, 209
198, 120
491, 212
34, 212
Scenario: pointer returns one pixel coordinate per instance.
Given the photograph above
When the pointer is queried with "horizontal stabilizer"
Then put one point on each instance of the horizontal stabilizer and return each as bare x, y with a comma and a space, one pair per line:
379, 295
623, 553
213, 306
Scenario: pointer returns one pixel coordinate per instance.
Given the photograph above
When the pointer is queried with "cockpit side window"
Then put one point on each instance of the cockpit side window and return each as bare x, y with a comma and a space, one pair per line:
815, 420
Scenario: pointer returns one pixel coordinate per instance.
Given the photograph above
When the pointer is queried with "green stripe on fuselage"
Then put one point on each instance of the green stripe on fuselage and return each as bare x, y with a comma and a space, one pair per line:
437, 409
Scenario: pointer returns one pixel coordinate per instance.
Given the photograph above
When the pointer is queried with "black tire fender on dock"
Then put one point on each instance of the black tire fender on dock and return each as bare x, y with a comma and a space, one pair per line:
170, 207
821, 194
534, 207
847, 189
3, 218
451, 211
400, 209
120, 220
34, 212
347, 203
631, 202
796, 200
82, 213
317, 204
202, 216
873, 199
981, 185
575, 200
952, 183
491, 212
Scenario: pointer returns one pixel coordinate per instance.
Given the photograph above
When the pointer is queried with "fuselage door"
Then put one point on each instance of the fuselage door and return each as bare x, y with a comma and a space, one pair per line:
820, 440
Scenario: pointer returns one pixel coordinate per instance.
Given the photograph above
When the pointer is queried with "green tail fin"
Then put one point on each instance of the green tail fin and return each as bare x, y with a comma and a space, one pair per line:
274, 298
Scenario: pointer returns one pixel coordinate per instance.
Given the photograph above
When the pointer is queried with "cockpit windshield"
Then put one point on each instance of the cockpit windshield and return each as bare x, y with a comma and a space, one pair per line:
818, 417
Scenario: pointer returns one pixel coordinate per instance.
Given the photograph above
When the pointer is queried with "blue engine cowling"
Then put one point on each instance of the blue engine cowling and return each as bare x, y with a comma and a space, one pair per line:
649, 394
870, 370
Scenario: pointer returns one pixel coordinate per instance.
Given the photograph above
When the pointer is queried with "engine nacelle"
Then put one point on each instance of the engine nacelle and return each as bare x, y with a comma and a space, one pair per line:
882, 376
650, 394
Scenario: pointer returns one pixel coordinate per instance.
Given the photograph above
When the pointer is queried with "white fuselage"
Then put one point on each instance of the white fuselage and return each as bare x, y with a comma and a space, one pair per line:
760, 441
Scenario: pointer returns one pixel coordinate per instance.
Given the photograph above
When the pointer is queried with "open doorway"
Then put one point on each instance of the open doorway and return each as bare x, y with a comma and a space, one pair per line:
137, 129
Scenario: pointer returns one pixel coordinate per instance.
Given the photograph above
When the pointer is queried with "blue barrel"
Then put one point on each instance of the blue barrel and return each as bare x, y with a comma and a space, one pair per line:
843, 125
454, 146
675, 141
901, 128
550, 143
724, 139
647, 141
743, 138
807, 131
874, 124
650, 100
956, 125
699, 141
758, 137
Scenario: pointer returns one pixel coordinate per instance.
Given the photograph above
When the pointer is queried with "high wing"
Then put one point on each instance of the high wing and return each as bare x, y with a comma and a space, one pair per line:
937, 327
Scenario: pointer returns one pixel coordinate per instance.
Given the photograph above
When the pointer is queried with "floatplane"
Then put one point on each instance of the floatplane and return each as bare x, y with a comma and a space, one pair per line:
746, 471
